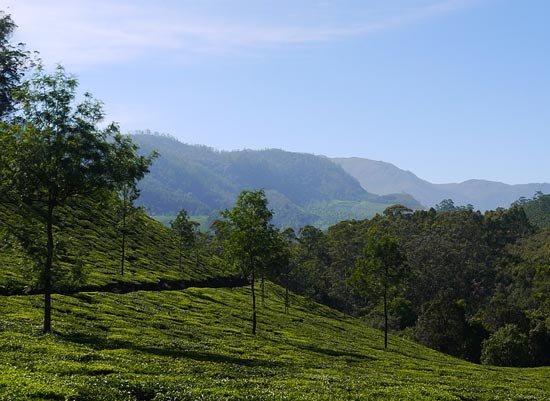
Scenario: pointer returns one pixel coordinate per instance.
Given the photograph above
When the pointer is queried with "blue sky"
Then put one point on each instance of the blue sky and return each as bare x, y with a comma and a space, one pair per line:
448, 89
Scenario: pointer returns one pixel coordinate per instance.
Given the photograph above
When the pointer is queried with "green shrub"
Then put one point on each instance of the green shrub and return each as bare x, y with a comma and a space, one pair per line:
506, 347
539, 344
442, 325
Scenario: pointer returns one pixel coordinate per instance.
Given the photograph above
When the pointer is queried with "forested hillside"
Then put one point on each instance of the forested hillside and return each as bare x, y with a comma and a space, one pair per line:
466, 281
537, 209
384, 178
302, 188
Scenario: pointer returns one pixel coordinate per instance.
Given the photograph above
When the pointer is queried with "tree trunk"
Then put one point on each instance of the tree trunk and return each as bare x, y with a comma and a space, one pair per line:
180, 252
385, 318
253, 304
47, 273
287, 303
263, 290
198, 255
123, 250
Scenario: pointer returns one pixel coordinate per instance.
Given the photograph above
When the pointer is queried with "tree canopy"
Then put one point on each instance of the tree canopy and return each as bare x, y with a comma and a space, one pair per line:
186, 231
249, 237
14, 62
381, 270
54, 150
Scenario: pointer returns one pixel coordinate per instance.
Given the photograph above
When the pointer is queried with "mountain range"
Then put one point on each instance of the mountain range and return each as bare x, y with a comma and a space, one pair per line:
302, 188
382, 178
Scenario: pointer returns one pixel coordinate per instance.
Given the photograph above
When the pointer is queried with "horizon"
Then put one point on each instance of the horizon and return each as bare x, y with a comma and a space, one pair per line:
450, 90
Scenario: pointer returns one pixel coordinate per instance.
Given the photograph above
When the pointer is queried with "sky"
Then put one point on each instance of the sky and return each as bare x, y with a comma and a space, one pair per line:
448, 89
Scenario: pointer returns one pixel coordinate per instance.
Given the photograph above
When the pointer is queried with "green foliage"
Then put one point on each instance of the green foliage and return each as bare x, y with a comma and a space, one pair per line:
53, 150
87, 234
384, 258
376, 272
185, 231
309, 258
476, 271
127, 193
448, 205
539, 343
195, 345
537, 209
381, 270
250, 240
507, 346
442, 326
248, 231
14, 62
402, 310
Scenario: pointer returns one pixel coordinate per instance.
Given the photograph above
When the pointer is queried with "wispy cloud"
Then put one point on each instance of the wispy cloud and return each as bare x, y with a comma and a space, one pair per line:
95, 32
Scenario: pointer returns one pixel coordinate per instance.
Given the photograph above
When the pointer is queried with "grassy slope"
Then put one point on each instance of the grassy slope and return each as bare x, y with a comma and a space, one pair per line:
89, 234
194, 345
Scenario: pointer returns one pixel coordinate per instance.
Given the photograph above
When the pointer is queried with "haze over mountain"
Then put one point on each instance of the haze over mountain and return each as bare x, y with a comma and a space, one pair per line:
382, 178
302, 188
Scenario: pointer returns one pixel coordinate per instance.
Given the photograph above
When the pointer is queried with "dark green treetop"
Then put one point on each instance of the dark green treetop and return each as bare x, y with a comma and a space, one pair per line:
14, 62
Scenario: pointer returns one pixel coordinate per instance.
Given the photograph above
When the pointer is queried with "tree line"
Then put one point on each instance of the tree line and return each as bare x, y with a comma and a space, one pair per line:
465, 283
468, 284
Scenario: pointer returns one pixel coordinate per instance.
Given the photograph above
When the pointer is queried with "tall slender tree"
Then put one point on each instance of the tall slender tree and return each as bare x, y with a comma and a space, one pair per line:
186, 232
288, 238
249, 236
54, 151
380, 271
127, 193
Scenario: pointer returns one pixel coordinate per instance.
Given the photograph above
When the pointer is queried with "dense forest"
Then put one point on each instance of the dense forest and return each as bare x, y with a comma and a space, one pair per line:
472, 285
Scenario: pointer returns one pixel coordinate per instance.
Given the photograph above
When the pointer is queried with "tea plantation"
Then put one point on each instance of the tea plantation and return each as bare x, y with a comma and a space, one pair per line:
195, 344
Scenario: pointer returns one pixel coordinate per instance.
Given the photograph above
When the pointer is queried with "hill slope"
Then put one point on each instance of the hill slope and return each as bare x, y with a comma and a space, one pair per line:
302, 188
194, 344
88, 247
384, 178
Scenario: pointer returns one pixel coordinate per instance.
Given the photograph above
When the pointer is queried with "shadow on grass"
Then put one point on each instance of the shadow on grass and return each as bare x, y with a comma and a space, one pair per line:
103, 343
95, 342
209, 299
332, 352
211, 357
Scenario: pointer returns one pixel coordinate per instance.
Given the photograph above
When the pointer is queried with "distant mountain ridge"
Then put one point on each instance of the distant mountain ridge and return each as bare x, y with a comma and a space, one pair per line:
382, 178
302, 188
